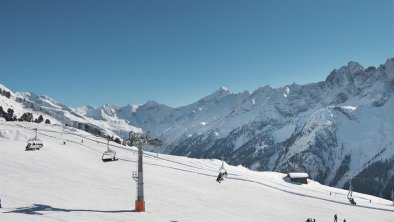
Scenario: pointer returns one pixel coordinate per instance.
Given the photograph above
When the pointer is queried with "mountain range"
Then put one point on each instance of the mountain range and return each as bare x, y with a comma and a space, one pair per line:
334, 130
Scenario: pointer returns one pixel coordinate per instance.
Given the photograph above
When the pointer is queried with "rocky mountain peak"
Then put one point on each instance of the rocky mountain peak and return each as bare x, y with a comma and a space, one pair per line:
354, 67
344, 75
217, 95
389, 67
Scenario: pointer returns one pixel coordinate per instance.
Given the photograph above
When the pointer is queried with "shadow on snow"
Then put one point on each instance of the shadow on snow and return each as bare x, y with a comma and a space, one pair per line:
38, 209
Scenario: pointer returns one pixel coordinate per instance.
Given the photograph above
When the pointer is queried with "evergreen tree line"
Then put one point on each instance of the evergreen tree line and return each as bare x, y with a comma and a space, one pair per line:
377, 179
26, 117
114, 139
5, 93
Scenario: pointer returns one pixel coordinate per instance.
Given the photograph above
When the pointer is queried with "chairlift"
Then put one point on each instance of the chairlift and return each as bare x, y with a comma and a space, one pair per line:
352, 202
109, 155
34, 143
222, 173
350, 193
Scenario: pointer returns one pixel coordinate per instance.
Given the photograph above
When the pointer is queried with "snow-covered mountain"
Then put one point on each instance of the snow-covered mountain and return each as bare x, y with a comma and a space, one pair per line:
333, 129
69, 182
105, 123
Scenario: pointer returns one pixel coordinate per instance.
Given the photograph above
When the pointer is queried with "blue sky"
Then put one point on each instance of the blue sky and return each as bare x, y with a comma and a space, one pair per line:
177, 51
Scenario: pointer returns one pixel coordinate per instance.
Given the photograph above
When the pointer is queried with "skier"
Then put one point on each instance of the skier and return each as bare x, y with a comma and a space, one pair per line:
0, 202
344, 220
335, 218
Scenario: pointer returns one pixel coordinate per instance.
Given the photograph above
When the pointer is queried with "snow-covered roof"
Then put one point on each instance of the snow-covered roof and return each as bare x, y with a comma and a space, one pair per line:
298, 175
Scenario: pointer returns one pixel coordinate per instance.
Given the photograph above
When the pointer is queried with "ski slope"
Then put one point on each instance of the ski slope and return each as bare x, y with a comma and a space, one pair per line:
69, 182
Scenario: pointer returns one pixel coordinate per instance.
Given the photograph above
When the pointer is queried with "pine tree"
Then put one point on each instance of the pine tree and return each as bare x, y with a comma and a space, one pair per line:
1, 111
27, 117
9, 116
40, 119
117, 140
10, 111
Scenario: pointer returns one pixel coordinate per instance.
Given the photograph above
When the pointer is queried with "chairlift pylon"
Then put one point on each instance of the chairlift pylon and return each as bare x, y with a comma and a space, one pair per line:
34, 143
109, 155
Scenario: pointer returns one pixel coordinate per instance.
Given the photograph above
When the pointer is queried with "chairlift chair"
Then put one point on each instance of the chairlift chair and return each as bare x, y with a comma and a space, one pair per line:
34, 143
222, 173
109, 155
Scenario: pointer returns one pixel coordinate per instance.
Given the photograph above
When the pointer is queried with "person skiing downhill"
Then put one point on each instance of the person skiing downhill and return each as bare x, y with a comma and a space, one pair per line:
335, 218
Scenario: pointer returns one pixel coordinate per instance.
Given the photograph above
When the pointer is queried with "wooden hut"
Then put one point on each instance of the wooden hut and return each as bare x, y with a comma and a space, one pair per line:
298, 177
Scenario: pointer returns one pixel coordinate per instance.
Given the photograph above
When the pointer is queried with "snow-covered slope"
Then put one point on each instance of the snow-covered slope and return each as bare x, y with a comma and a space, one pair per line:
70, 183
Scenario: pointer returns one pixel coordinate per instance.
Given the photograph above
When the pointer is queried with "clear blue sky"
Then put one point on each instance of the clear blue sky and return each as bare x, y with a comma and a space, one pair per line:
177, 51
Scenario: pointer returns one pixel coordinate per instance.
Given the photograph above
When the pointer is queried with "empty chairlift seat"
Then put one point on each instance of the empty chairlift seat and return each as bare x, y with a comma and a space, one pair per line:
109, 155
34, 144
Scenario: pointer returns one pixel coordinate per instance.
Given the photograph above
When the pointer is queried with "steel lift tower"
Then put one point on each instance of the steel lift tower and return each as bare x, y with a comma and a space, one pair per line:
139, 141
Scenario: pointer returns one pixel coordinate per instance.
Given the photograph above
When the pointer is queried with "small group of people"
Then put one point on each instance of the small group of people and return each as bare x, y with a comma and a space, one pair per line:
336, 218
314, 220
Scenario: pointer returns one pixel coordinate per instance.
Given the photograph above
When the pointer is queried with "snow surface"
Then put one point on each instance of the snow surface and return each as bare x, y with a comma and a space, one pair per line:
349, 107
283, 133
286, 92
71, 183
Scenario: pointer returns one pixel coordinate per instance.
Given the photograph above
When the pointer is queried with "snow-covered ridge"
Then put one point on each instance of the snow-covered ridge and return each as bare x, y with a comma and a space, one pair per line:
57, 113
